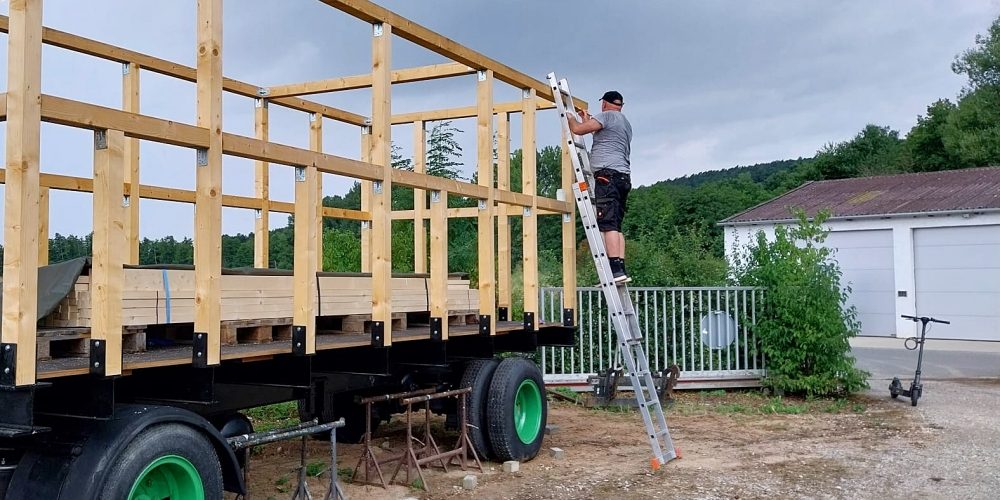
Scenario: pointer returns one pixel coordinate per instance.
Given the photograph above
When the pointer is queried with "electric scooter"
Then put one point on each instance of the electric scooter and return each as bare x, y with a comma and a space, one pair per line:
916, 387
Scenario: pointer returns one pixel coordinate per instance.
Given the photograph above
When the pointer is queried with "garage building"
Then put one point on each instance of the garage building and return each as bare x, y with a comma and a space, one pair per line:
924, 243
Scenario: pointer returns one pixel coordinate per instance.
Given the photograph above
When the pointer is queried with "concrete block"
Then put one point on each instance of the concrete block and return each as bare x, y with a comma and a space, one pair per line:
470, 482
511, 466
556, 453
551, 429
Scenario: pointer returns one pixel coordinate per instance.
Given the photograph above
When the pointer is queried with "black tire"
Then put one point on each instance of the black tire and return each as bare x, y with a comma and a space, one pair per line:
894, 388
503, 431
478, 375
914, 396
160, 441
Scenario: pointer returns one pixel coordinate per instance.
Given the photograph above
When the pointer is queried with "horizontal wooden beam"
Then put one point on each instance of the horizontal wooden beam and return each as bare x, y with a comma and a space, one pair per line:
428, 39
109, 52
406, 75
148, 192
462, 112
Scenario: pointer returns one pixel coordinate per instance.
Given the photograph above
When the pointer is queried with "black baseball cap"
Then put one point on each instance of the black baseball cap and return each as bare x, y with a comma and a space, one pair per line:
613, 97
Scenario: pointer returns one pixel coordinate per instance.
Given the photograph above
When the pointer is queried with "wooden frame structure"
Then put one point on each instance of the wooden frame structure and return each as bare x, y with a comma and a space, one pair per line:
116, 188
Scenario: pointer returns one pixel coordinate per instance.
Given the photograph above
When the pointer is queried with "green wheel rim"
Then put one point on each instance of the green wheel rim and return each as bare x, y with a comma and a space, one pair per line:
170, 476
528, 411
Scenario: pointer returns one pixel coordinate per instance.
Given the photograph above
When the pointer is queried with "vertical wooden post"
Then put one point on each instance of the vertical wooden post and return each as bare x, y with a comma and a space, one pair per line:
419, 199
43, 226
529, 186
366, 202
20, 257
381, 226
304, 272
503, 221
261, 186
568, 241
208, 199
439, 260
316, 144
130, 103
484, 159
109, 250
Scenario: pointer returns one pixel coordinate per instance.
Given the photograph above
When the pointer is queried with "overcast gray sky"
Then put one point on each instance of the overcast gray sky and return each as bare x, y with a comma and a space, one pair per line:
708, 84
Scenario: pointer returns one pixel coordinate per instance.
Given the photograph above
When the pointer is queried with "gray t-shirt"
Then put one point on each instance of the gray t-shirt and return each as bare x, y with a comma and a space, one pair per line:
613, 143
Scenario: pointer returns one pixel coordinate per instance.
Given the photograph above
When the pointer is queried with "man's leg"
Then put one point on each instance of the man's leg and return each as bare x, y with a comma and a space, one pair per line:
614, 243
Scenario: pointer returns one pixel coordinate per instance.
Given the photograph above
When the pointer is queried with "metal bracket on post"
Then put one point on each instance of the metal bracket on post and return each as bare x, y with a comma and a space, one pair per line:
568, 317
126, 68
484, 325
377, 29
98, 355
8, 364
529, 322
481, 75
527, 211
298, 340
365, 224
300, 174
201, 157
377, 187
482, 204
566, 218
100, 139
436, 328
126, 201
263, 91
378, 334
199, 351
525, 93
502, 314
258, 213
435, 196
260, 102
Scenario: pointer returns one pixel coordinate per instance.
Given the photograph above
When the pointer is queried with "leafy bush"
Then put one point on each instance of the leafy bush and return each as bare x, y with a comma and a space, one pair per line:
806, 323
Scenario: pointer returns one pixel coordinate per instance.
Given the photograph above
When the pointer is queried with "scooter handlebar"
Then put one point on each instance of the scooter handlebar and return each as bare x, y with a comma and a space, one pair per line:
925, 319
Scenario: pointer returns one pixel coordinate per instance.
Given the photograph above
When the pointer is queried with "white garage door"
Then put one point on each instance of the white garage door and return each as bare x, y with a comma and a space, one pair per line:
865, 259
957, 272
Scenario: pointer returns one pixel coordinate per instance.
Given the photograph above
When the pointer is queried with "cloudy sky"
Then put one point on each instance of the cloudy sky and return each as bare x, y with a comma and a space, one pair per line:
708, 84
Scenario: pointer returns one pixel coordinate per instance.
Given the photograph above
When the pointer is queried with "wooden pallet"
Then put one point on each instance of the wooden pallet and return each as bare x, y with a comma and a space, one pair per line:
75, 342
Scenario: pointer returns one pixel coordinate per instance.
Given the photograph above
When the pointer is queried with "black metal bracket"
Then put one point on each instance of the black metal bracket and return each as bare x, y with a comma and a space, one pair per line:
568, 317
8, 364
529, 322
484, 325
436, 328
503, 314
199, 351
378, 334
298, 340
98, 357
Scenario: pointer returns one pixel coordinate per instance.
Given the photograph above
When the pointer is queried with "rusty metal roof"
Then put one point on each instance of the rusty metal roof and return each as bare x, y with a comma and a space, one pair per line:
925, 192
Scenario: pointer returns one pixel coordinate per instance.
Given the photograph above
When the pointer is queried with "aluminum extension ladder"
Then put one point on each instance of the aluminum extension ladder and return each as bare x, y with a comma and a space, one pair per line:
617, 295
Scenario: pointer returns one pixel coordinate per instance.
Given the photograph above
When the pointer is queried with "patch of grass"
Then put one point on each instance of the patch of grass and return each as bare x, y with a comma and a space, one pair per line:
417, 484
836, 406
270, 417
732, 408
316, 468
281, 481
858, 408
715, 393
569, 393
345, 473
777, 405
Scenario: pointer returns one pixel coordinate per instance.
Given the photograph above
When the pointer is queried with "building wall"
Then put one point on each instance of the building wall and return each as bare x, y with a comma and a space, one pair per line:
904, 273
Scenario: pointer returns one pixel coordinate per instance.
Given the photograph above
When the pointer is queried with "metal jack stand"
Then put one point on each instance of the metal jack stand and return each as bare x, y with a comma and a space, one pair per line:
368, 458
462, 449
245, 441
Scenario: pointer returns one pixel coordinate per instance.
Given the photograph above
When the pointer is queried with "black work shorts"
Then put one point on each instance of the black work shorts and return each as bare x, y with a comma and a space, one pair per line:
611, 190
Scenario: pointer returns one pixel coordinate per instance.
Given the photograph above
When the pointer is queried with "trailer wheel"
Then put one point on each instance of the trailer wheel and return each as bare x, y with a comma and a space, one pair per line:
166, 461
517, 411
478, 375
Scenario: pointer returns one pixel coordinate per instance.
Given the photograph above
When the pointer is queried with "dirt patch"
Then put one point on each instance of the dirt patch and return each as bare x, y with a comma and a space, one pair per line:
736, 445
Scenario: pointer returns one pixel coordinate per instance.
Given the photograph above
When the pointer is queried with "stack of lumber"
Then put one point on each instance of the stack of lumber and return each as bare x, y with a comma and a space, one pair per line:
152, 296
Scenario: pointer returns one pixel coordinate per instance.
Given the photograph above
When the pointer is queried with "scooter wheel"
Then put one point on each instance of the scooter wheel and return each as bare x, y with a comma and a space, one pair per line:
894, 388
913, 399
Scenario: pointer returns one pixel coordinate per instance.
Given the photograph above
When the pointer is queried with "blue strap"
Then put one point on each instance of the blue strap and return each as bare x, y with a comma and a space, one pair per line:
166, 291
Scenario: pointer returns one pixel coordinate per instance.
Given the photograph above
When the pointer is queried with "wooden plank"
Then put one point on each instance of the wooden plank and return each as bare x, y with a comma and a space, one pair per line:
406, 75
109, 52
503, 222
529, 186
569, 238
381, 137
419, 199
464, 112
43, 226
424, 37
20, 257
316, 144
130, 103
486, 230
208, 203
439, 259
262, 190
109, 247
80, 114
304, 288
366, 202
248, 147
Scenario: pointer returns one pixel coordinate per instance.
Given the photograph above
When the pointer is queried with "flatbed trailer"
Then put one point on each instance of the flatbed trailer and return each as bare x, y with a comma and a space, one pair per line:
117, 422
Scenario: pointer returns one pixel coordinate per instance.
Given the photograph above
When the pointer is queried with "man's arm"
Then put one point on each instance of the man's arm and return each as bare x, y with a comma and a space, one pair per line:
589, 125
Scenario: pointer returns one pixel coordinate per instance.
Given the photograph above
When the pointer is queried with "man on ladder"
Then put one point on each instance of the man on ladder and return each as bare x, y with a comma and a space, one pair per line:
609, 157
